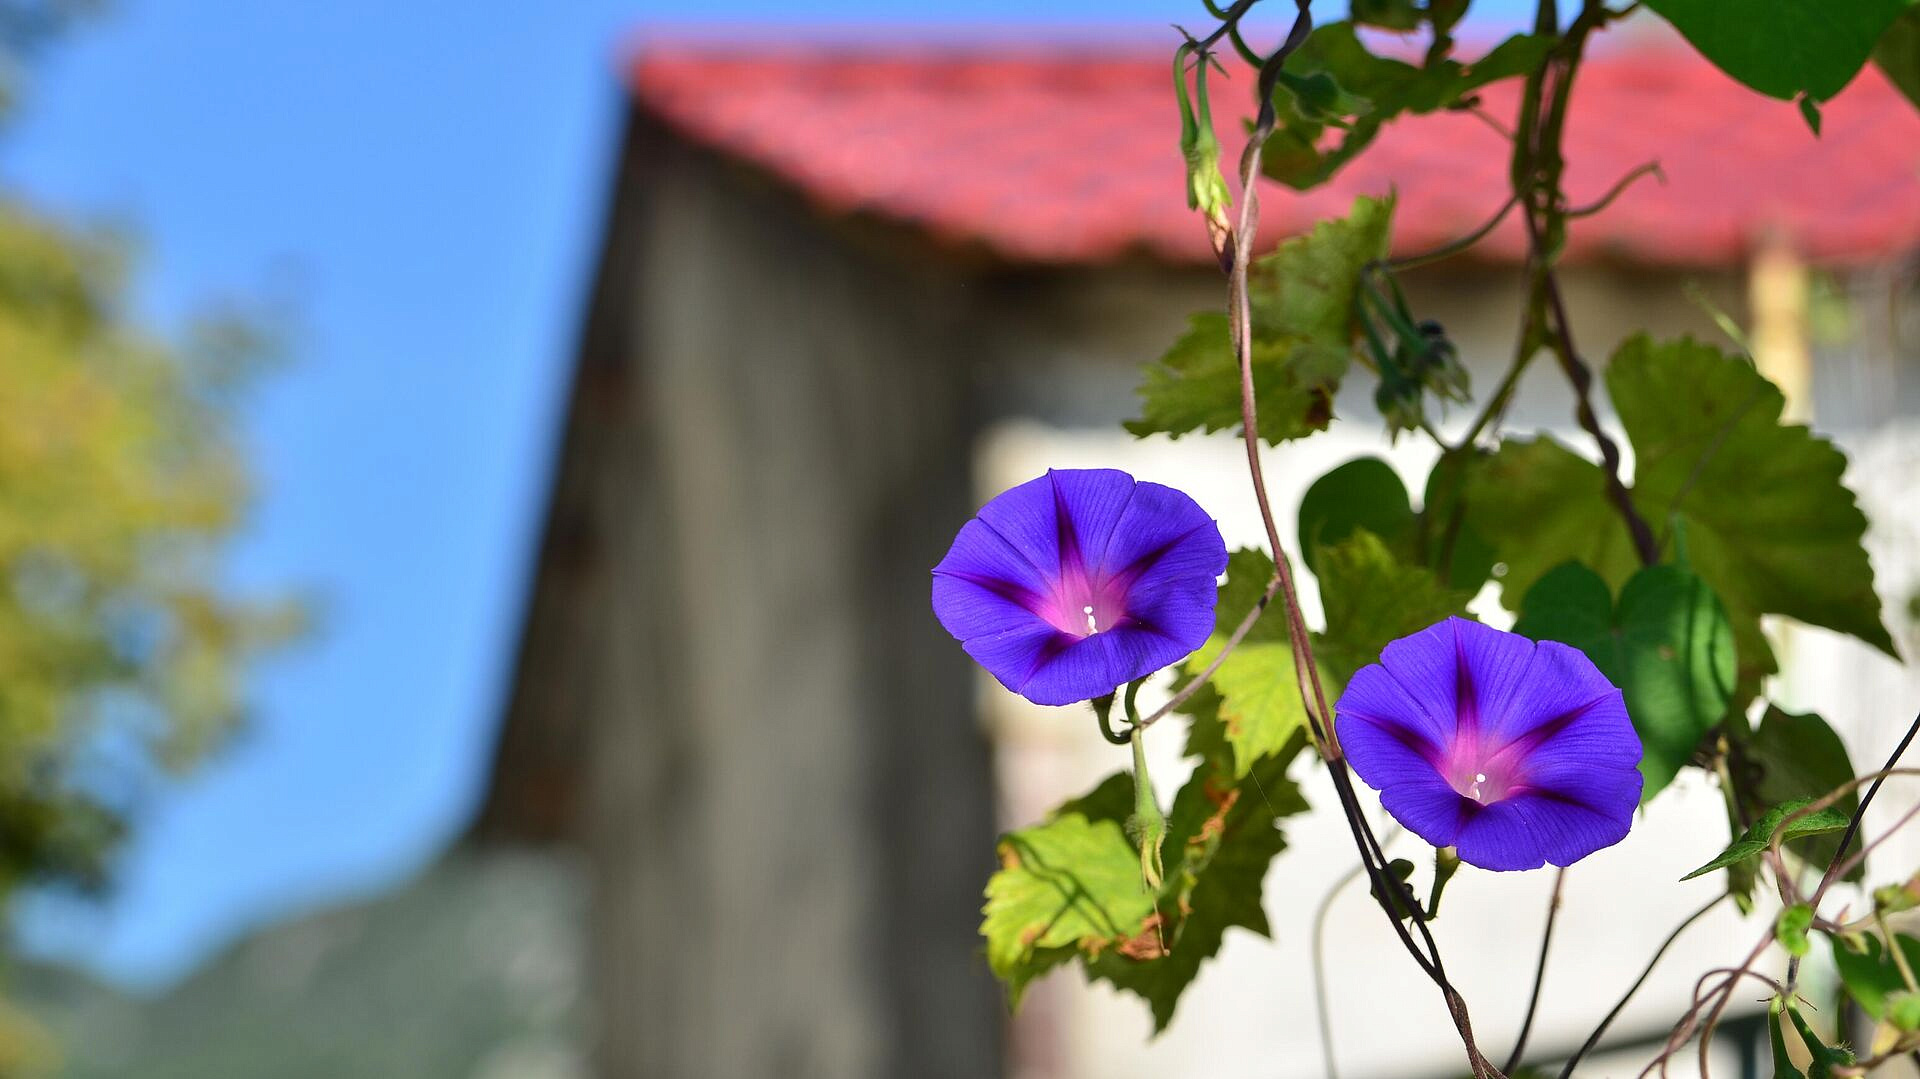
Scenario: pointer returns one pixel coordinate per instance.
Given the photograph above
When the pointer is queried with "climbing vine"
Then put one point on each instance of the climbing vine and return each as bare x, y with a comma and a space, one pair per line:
1637, 648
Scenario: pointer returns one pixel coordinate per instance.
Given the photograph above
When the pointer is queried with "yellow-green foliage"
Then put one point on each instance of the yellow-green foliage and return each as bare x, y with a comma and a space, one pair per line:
119, 481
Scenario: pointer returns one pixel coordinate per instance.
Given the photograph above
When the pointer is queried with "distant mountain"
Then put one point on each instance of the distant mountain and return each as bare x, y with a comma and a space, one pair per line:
473, 971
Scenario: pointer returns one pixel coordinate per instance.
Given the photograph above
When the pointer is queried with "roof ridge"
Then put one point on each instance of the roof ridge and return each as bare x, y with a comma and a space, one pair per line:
1044, 156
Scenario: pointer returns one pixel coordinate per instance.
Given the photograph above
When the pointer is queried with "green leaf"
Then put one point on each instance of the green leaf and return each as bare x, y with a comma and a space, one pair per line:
1305, 289
1111, 800
1783, 1065
1387, 14
1825, 1057
1196, 386
1758, 837
1363, 493
1790, 929
1372, 599
1540, 504
1800, 757
1667, 645
1259, 698
1768, 522
1870, 973
1318, 98
1221, 839
1784, 48
1393, 87
1898, 53
1249, 571
1302, 297
1376, 90
1252, 708
1810, 112
1447, 536
1069, 885
1903, 1010
1367, 493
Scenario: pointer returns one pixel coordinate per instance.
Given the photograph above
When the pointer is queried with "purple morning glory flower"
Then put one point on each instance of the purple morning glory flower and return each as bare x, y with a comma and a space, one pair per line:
1517, 753
1072, 585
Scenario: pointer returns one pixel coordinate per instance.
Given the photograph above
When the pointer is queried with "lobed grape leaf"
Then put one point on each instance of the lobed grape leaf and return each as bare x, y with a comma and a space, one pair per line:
1252, 706
1196, 385
1666, 644
1765, 520
1338, 67
1540, 504
1070, 888
1372, 599
1303, 302
1067, 886
1223, 834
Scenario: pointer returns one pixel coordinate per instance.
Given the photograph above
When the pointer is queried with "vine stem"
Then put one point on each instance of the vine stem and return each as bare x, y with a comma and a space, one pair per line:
1566, 1072
1834, 868
1454, 247
1536, 171
1233, 641
1722, 994
1860, 811
1539, 972
1240, 315
1313, 694
1581, 377
1324, 1009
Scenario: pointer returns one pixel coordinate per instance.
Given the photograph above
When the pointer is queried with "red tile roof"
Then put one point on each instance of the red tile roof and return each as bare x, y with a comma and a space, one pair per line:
1071, 158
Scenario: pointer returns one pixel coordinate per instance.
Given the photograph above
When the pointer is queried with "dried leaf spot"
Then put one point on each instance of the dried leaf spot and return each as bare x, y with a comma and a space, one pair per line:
1148, 944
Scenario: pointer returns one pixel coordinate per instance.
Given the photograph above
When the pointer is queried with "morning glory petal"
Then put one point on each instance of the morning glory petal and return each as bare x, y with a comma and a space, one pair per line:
1517, 753
1094, 499
1073, 584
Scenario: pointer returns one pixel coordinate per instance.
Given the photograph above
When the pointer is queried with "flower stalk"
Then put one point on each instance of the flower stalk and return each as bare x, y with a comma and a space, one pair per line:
1147, 827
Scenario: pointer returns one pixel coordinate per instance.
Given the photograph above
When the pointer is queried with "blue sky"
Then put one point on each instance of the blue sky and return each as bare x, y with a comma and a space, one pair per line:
421, 183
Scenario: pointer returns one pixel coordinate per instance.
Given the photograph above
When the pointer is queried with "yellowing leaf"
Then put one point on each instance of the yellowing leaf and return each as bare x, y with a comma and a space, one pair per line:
1224, 835
1068, 885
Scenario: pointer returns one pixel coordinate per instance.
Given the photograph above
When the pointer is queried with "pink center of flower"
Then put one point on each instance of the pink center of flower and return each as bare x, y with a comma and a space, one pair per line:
1083, 604
1484, 777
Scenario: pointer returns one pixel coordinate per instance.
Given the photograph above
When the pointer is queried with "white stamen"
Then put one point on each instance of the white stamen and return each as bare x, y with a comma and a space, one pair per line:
1473, 792
1092, 626
1480, 777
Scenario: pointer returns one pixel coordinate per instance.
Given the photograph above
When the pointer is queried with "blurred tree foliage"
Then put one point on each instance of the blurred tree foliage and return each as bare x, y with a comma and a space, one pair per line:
120, 480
